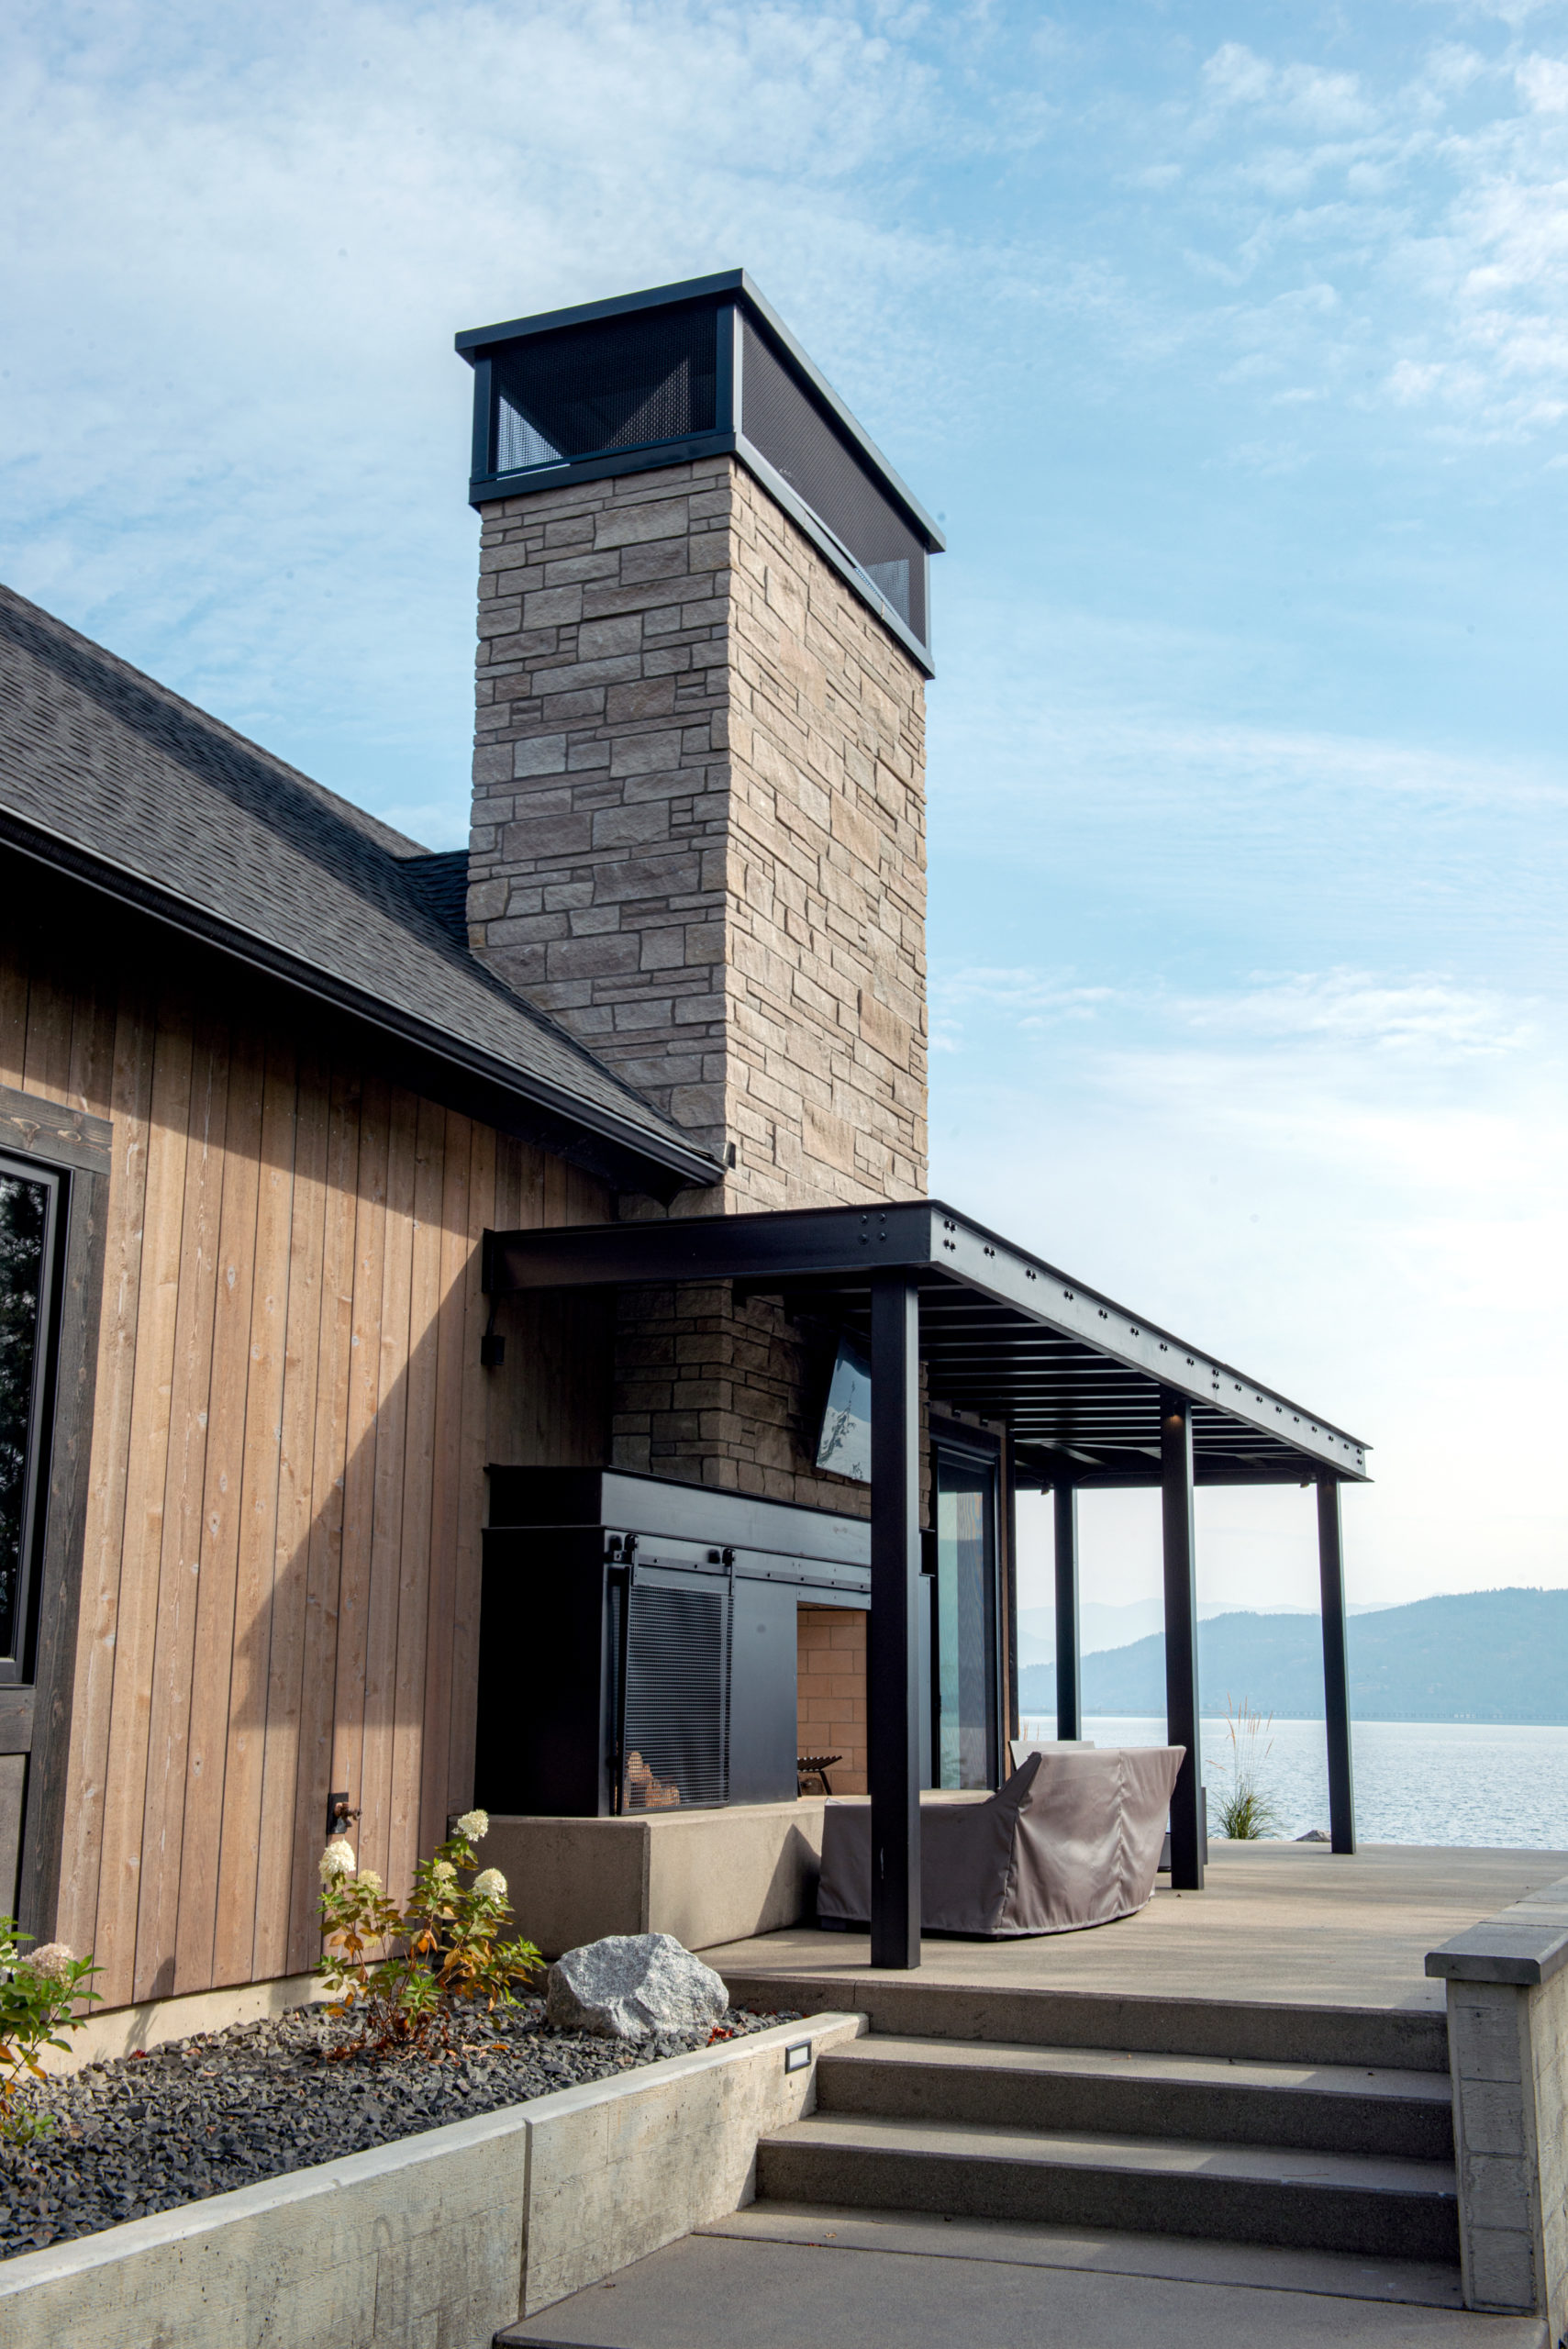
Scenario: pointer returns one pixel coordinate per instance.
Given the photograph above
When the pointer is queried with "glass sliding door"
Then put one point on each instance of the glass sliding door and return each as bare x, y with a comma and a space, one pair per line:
965, 1673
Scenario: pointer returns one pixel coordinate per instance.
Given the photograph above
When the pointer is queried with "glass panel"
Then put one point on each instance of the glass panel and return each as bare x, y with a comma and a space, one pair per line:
621, 384
964, 1620
24, 1238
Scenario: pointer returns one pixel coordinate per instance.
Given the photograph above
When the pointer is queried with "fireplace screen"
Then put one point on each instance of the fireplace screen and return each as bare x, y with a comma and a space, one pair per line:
620, 383
795, 436
676, 1718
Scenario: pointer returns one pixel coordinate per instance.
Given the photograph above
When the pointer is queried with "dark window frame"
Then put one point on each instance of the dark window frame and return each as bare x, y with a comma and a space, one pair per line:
35, 1712
17, 1663
975, 1448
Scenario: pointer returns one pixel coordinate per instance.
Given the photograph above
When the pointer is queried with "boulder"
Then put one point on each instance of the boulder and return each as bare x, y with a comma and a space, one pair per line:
634, 1985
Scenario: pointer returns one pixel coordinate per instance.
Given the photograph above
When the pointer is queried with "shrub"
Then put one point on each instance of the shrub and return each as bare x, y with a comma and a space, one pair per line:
1247, 1813
38, 1993
404, 1971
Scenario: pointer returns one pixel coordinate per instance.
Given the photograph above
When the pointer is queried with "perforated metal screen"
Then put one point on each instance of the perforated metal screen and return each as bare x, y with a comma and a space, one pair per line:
796, 436
675, 1736
619, 383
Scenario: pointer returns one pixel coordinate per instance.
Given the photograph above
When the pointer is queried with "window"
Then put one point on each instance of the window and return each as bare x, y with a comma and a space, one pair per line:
965, 1673
30, 1218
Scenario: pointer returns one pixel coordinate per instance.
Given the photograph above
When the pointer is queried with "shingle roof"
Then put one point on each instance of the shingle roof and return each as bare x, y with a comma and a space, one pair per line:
107, 772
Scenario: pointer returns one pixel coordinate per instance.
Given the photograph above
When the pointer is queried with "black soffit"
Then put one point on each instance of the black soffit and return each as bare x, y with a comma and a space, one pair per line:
1074, 1377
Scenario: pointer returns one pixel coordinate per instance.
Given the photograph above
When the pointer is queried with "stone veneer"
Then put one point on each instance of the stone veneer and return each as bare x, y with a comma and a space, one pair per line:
699, 824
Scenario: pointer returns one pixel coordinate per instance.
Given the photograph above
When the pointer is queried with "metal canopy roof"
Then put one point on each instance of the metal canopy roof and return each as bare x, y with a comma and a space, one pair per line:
1074, 1376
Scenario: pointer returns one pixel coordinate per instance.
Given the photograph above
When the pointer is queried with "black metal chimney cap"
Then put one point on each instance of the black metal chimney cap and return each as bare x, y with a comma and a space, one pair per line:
731, 286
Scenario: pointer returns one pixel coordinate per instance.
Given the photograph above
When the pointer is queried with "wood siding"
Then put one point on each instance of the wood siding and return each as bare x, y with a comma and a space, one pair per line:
280, 1578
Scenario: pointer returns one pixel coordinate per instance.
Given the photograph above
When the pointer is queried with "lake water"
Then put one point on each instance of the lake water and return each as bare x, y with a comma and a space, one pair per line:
1415, 1782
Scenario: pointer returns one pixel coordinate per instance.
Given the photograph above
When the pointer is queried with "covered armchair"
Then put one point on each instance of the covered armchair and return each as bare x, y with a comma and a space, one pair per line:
1073, 1839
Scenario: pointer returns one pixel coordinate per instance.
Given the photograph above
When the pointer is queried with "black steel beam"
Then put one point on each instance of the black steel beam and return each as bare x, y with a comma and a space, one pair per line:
951, 1259
894, 1659
1181, 1641
1069, 1698
1336, 1667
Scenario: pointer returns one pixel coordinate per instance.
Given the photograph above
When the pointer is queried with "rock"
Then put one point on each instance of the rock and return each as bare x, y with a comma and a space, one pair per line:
633, 1985
1314, 1835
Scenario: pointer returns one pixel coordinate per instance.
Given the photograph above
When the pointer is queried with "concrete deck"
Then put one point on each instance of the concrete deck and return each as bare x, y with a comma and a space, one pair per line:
1276, 1923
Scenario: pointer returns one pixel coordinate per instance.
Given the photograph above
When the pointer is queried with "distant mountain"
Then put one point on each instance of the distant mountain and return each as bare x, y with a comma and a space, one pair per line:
1486, 1655
1116, 1627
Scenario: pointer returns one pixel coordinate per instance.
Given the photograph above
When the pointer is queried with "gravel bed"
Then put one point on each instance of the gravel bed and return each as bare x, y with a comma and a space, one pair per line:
202, 2115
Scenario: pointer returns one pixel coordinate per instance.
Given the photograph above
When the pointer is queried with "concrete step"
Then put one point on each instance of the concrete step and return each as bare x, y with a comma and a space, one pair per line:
1366, 2203
1305, 2107
1404, 2038
1193, 2259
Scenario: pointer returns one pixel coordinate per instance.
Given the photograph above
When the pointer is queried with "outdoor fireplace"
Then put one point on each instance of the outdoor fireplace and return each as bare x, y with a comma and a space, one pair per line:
639, 1641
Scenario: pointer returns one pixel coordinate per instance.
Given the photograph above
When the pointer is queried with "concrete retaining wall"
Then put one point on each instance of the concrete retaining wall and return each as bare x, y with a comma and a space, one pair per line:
1507, 2024
437, 2242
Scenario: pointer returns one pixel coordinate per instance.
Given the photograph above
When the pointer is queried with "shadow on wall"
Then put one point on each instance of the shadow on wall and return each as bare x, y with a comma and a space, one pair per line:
281, 1570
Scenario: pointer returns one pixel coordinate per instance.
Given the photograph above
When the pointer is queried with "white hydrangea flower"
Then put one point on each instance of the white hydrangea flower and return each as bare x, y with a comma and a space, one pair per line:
442, 1874
53, 1960
474, 1825
490, 1885
337, 1859
369, 1877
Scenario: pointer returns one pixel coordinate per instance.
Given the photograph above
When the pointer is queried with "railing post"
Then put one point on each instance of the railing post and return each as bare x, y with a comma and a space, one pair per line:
892, 1666
1335, 1666
1069, 1701
1181, 1638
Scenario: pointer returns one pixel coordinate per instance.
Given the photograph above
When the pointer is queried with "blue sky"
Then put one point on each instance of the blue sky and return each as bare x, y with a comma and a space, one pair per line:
1232, 344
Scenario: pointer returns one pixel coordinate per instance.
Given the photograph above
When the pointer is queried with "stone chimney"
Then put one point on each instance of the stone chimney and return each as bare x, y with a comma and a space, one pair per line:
699, 781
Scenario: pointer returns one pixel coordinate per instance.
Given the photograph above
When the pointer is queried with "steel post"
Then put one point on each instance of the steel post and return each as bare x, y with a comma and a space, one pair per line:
1069, 1704
1336, 1667
1181, 1638
892, 1663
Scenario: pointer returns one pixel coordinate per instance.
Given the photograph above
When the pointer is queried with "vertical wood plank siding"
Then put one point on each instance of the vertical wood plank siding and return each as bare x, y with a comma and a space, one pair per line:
279, 1586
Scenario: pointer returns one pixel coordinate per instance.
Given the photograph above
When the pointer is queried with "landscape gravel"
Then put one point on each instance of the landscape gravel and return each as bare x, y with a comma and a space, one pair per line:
201, 2116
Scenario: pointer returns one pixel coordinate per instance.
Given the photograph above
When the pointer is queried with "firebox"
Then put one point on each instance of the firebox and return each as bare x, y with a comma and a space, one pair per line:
638, 1641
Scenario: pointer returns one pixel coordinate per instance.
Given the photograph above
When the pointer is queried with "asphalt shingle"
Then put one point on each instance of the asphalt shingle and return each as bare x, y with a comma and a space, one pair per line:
138, 784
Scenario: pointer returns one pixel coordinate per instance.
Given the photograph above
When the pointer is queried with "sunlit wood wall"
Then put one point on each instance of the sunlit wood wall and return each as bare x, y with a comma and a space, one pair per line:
280, 1584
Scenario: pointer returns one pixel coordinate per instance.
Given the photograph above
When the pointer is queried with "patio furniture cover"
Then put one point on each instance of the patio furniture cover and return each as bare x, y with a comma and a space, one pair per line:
1073, 1839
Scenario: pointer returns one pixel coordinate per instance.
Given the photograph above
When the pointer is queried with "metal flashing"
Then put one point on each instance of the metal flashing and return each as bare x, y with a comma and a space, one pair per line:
475, 341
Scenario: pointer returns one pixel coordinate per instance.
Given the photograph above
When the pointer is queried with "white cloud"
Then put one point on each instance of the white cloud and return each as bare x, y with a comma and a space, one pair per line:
234, 428
1350, 1184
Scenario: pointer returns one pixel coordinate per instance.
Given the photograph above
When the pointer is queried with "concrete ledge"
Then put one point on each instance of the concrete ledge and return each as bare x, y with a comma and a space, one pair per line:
705, 1876
442, 2238
1527, 1943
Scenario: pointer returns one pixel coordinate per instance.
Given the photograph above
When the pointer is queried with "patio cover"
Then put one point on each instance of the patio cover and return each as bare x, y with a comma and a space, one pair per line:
1076, 1378
1090, 1393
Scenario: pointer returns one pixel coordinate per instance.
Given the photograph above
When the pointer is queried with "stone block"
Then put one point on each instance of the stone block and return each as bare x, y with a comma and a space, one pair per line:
493, 763
534, 839
619, 826
655, 559
539, 755
579, 958
604, 639
646, 753
552, 608
648, 697
1500, 2273
632, 525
